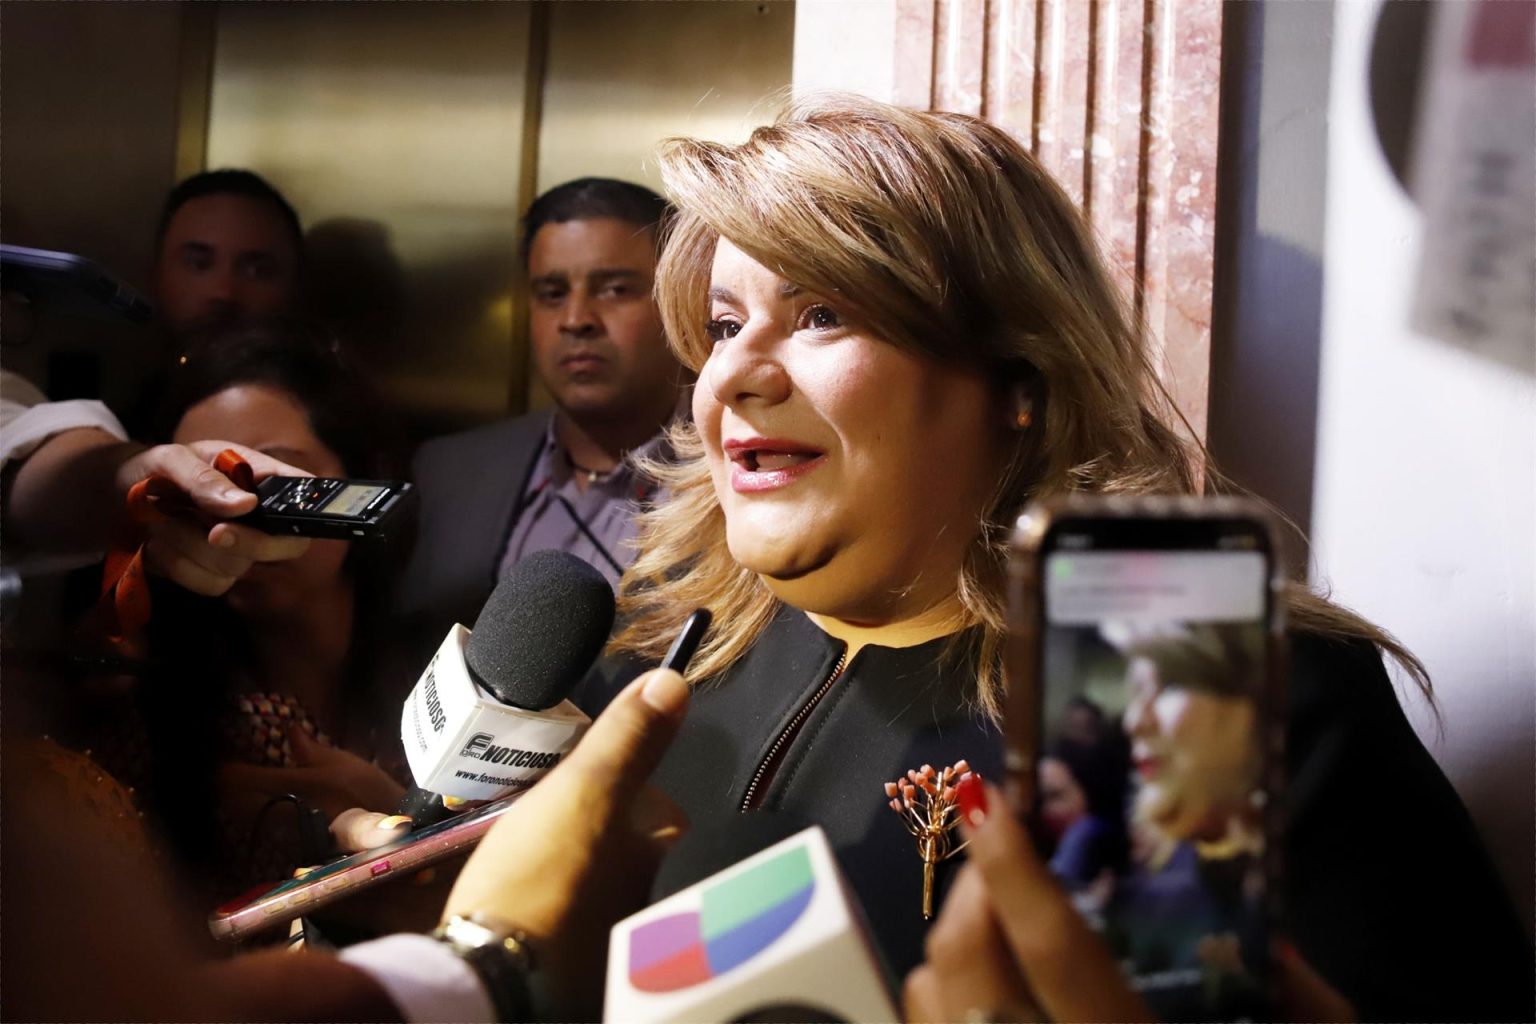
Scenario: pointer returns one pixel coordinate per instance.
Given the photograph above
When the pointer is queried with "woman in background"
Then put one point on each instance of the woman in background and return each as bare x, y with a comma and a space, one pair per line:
902, 333
279, 681
1082, 806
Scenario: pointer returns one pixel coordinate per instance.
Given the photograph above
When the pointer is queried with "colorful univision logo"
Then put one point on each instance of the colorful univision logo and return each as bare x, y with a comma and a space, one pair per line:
737, 919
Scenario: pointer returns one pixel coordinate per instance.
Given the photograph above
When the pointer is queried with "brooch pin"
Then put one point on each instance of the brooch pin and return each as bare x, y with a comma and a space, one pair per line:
925, 800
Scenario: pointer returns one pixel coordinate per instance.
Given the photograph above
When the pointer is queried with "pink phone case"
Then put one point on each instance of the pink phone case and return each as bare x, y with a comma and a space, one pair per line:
276, 905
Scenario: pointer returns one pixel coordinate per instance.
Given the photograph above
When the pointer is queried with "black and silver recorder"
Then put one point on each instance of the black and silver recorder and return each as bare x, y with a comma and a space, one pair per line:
329, 508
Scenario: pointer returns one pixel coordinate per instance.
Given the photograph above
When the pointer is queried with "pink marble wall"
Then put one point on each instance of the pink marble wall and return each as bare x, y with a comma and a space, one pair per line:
959, 55
915, 31
1013, 55
1119, 99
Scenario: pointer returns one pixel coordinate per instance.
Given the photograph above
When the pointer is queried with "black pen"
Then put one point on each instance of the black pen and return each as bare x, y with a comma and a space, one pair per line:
687, 641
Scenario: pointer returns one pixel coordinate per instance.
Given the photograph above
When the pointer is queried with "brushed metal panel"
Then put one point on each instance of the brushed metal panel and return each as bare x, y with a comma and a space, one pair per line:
410, 139
88, 101
625, 74
397, 131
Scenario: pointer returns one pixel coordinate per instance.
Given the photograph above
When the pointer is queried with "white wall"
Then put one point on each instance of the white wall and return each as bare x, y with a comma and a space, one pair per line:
1424, 515
847, 45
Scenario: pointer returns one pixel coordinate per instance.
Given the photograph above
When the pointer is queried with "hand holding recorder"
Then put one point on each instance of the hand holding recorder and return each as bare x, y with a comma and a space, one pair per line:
201, 549
213, 509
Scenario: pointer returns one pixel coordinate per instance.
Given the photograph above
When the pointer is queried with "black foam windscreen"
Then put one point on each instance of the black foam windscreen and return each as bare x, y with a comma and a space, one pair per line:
540, 630
705, 851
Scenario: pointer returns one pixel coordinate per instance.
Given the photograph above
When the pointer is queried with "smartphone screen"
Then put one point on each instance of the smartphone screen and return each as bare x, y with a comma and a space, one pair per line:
1152, 769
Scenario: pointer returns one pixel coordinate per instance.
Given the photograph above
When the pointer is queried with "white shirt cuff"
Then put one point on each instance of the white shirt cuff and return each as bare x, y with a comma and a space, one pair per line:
424, 978
25, 430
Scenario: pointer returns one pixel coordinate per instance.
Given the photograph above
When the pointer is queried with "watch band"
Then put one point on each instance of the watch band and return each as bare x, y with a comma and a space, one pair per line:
500, 956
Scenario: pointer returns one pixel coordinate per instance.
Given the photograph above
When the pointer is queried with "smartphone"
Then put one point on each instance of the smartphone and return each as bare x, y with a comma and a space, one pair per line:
329, 508
1144, 729
72, 284
265, 908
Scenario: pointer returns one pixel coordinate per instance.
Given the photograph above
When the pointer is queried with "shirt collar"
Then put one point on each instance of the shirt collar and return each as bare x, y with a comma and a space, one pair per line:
561, 468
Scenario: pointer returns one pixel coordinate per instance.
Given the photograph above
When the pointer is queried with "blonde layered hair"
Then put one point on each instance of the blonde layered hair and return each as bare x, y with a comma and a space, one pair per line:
943, 236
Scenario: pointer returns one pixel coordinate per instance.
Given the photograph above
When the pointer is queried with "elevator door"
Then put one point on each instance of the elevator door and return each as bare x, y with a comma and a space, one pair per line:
410, 136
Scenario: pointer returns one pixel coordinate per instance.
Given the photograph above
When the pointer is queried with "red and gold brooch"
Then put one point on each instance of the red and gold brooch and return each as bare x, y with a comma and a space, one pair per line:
925, 800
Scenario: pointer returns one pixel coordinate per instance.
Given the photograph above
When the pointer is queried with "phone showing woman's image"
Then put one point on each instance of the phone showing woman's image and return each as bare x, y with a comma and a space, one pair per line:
1145, 724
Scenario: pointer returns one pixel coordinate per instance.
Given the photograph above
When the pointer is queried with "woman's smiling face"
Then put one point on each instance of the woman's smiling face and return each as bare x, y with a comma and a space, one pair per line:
853, 475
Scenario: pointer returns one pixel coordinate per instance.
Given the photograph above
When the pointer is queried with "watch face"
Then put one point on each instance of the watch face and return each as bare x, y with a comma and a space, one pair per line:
461, 931
479, 932
500, 957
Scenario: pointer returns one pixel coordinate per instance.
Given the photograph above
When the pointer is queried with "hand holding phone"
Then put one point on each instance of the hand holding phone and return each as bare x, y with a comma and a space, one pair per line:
597, 794
1008, 942
1144, 730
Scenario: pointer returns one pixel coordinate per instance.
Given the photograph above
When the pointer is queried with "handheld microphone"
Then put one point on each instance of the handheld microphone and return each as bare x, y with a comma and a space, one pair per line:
489, 716
777, 936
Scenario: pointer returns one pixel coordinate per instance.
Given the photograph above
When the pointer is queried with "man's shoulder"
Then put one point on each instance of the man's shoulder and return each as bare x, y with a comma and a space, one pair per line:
493, 440
531, 425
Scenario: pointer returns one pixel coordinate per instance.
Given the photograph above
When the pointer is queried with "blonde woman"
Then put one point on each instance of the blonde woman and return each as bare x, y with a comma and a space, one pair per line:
1192, 724
902, 332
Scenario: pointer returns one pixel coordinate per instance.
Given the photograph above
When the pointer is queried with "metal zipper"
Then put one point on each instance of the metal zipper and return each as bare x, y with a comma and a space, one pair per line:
769, 767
